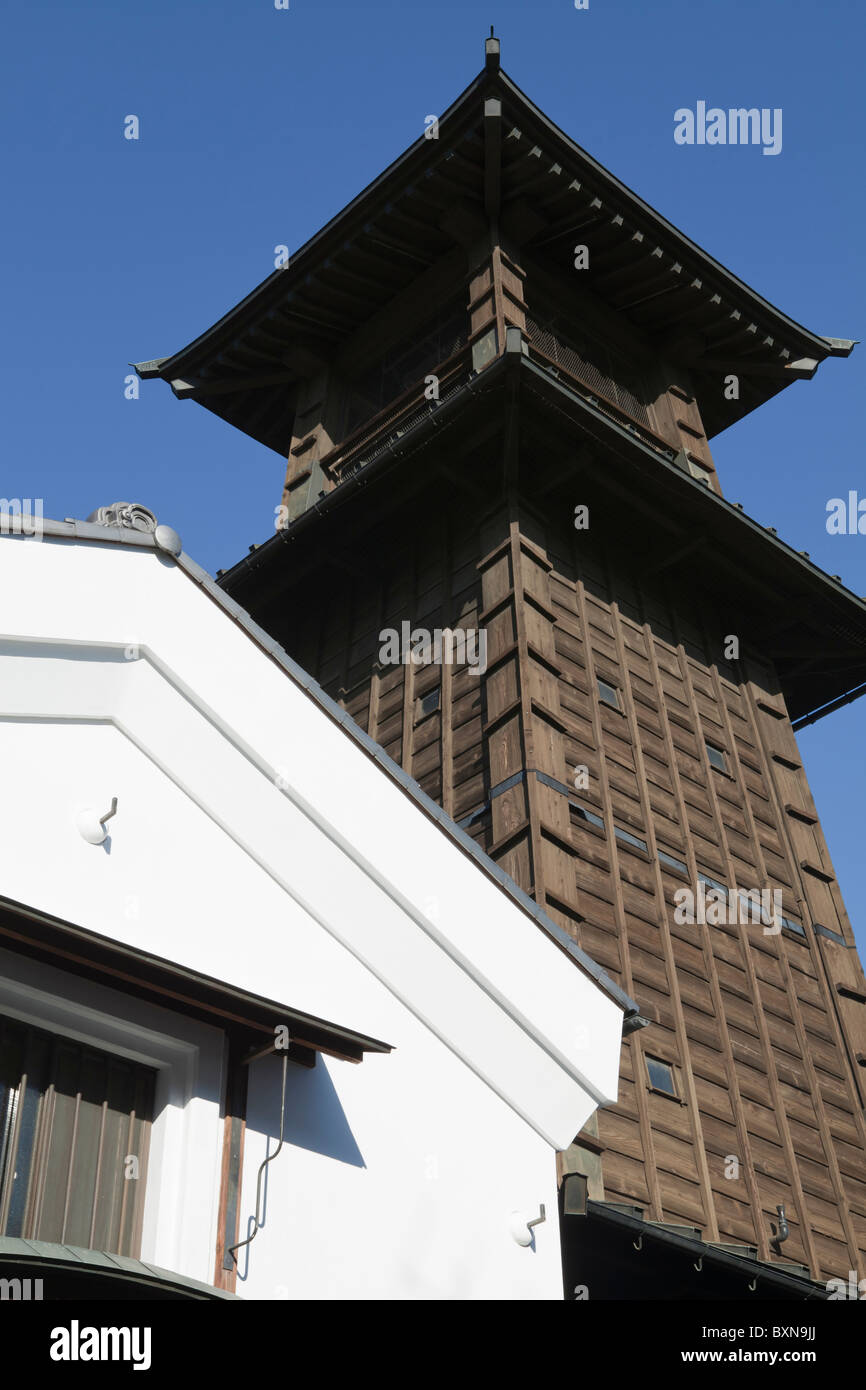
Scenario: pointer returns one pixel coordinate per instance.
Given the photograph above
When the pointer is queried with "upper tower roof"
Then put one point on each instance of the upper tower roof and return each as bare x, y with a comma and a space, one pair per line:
498, 164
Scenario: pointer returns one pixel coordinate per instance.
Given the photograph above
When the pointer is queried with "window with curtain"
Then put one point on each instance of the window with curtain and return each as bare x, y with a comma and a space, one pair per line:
74, 1134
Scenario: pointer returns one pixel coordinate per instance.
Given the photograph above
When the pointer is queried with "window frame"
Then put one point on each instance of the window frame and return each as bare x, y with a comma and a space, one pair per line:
46, 1149
723, 754
661, 1090
615, 703
420, 712
184, 1161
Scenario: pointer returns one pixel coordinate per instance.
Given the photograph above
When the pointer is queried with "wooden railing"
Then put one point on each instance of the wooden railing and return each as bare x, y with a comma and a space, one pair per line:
374, 434
602, 403
348, 455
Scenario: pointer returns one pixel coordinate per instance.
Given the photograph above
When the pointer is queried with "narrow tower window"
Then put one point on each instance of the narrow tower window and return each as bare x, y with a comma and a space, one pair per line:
790, 925
608, 693
661, 1076
580, 813
716, 757
429, 703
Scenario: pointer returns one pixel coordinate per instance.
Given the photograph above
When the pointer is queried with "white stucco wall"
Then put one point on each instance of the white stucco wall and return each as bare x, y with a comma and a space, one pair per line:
330, 892
398, 1181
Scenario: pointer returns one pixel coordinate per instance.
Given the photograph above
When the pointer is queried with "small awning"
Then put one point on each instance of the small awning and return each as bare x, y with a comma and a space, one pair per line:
611, 1249
249, 1018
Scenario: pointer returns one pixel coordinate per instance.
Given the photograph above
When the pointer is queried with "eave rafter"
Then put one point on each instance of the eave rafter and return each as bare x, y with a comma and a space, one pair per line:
632, 288
194, 390
366, 286
619, 254
801, 370
566, 227
317, 324
395, 247
265, 416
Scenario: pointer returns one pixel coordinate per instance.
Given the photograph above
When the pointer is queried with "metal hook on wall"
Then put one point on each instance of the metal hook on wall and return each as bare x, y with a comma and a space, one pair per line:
538, 1219
521, 1229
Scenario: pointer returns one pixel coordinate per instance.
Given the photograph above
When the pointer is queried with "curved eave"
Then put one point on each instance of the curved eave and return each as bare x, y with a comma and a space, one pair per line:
244, 367
301, 265
643, 212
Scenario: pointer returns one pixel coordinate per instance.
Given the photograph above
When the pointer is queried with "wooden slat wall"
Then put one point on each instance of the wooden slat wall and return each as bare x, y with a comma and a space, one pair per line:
762, 1044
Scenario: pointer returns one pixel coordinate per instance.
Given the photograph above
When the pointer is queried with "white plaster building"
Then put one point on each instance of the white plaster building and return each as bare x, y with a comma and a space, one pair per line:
266, 867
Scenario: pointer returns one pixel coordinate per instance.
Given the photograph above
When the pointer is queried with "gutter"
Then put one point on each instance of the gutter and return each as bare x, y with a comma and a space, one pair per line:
697, 1250
805, 720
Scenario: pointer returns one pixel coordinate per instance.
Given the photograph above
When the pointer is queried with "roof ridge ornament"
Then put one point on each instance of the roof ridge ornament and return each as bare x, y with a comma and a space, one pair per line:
129, 514
491, 53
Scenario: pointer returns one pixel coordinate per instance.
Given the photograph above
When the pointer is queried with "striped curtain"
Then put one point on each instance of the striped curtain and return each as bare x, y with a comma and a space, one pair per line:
74, 1133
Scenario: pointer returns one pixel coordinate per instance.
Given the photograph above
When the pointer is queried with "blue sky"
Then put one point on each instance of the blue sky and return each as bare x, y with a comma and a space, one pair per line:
257, 125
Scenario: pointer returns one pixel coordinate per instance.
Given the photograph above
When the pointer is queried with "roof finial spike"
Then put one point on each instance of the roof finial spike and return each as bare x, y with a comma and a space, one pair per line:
491, 53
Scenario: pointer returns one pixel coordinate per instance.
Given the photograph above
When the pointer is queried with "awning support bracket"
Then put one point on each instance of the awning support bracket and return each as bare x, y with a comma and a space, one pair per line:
230, 1259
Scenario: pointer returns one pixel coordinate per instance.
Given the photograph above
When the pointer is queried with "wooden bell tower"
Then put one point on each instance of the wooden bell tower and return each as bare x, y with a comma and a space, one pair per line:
494, 377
